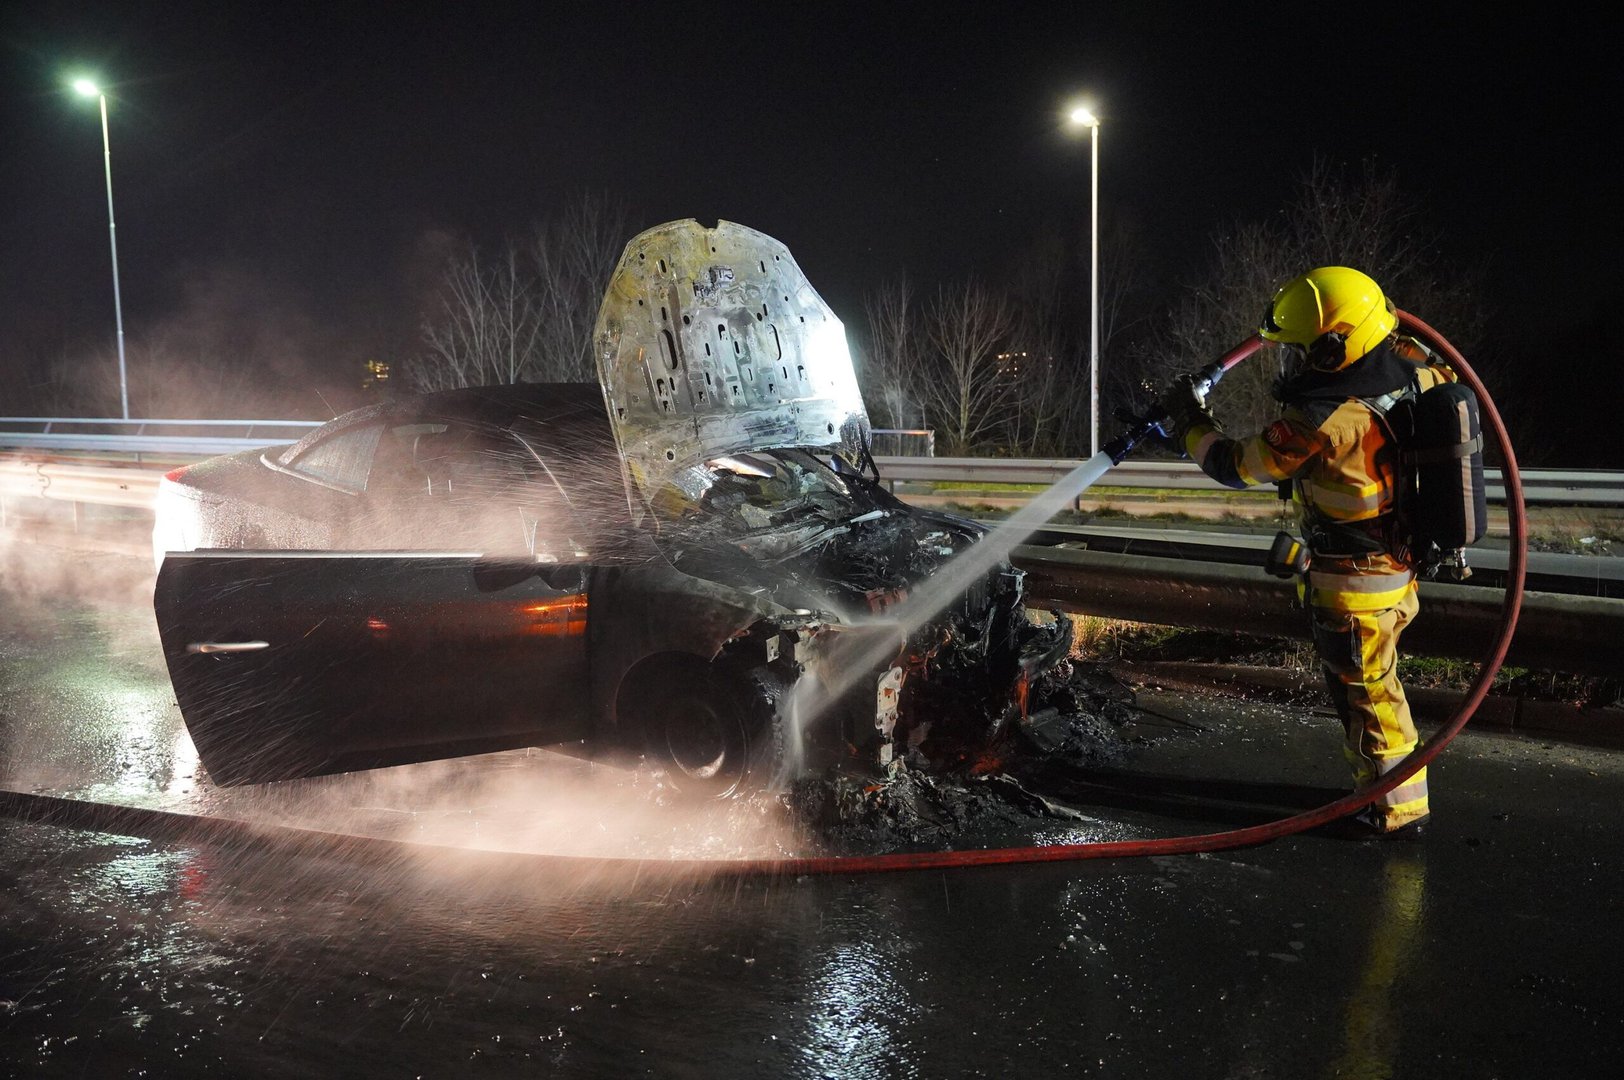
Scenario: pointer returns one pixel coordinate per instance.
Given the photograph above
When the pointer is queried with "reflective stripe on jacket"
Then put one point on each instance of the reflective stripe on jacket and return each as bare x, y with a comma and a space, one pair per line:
1343, 469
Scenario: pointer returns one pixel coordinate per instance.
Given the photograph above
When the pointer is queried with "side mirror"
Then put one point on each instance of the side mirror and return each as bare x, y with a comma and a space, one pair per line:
570, 577
493, 573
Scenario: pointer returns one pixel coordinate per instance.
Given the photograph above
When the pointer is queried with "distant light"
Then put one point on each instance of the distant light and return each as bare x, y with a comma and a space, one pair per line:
1084, 118
86, 87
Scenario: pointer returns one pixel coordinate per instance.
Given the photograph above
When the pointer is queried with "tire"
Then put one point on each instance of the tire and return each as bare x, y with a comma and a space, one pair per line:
713, 733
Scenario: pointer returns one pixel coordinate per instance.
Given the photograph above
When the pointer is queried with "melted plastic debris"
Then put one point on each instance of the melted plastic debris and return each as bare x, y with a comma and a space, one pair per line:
914, 810
1077, 721
1077, 716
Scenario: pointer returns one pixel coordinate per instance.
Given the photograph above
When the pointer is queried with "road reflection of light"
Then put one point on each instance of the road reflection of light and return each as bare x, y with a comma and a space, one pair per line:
1371, 1019
1090, 830
140, 751
144, 882
859, 999
141, 745
183, 764
143, 873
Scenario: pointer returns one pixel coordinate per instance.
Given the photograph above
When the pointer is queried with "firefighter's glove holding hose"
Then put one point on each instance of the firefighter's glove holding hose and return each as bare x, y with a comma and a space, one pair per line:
1185, 406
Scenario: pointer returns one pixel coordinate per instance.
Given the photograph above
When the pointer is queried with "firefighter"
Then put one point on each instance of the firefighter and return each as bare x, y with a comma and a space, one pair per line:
1344, 366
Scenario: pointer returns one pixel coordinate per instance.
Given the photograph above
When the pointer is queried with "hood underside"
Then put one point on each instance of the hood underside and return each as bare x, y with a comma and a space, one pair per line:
711, 342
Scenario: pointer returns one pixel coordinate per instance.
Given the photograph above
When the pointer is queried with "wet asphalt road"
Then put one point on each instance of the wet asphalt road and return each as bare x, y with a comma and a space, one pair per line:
1489, 949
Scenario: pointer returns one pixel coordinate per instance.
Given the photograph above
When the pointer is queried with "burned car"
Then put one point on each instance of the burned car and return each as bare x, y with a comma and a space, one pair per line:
692, 564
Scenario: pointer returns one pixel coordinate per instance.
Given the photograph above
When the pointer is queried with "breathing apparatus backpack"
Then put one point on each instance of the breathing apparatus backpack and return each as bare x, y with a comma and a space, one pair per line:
1441, 503
1435, 437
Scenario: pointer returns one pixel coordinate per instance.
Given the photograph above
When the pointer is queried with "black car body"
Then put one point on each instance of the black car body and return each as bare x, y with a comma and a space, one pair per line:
693, 562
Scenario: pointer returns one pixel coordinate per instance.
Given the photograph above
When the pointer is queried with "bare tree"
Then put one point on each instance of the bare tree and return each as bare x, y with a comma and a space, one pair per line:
1248, 263
488, 327
1123, 279
1374, 226
890, 365
169, 374
527, 313
575, 253
1051, 297
236, 346
1050, 386
1368, 224
964, 389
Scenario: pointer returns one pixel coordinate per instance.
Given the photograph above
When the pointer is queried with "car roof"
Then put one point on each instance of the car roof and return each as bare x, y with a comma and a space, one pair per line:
575, 410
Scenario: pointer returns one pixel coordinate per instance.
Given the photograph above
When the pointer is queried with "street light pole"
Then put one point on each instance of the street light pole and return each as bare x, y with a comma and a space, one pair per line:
1087, 118
89, 89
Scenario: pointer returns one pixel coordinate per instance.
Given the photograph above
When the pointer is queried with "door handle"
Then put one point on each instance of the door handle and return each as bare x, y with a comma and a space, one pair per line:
226, 646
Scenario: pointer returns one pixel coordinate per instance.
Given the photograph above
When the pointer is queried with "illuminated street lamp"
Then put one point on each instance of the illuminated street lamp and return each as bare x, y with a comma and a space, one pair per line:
90, 89
1083, 117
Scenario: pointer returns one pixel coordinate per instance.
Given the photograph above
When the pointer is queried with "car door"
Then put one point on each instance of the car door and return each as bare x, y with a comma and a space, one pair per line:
290, 664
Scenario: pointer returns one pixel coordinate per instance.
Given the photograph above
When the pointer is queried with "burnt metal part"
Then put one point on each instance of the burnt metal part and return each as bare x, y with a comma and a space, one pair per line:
814, 539
711, 340
915, 811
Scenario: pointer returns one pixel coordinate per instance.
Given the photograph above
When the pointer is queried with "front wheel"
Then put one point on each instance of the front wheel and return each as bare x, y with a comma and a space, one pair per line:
715, 733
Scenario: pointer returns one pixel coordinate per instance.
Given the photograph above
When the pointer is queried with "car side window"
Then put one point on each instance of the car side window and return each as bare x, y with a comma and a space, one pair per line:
395, 470
455, 486
342, 461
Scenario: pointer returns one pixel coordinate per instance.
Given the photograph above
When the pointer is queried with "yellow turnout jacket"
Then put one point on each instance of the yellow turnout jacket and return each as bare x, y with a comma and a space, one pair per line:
1344, 474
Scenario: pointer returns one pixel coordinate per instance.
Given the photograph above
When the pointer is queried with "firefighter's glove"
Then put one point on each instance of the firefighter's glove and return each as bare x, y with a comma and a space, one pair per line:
1185, 407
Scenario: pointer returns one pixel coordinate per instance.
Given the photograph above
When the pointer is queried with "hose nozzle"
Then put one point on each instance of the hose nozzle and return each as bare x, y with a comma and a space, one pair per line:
1155, 420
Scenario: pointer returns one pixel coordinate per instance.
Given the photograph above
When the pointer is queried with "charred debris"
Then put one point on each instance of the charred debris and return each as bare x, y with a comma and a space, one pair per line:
813, 535
1001, 796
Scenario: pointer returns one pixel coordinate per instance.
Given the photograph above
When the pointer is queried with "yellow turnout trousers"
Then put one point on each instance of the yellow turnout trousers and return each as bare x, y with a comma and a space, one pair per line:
1358, 653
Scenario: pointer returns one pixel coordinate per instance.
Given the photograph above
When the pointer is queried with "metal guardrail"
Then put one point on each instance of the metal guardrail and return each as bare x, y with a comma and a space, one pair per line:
129, 486
160, 436
202, 438
1568, 487
1578, 634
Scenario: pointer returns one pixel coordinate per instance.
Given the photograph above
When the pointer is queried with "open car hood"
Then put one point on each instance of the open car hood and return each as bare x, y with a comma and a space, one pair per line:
712, 342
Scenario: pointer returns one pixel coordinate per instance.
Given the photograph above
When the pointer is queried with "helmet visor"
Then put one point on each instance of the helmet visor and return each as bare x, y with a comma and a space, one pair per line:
1267, 326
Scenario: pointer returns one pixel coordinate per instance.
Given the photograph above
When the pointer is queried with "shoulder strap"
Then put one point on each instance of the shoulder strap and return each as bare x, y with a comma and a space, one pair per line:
1380, 406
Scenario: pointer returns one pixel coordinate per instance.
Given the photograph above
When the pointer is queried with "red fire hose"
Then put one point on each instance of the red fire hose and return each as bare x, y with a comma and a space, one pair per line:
119, 818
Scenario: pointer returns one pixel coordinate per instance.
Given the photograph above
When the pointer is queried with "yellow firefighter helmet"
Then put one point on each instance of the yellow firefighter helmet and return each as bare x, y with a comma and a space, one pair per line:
1330, 300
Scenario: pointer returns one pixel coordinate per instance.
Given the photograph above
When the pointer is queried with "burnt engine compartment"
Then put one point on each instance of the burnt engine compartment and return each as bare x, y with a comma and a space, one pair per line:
817, 538
787, 522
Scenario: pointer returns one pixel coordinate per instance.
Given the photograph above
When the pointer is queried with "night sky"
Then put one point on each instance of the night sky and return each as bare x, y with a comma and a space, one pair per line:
294, 164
